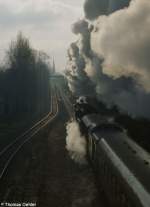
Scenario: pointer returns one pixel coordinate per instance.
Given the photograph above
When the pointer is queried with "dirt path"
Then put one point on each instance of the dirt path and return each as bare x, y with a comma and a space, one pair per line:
66, 184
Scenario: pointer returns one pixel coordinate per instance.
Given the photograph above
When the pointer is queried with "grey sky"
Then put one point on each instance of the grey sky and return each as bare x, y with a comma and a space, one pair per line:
47, 23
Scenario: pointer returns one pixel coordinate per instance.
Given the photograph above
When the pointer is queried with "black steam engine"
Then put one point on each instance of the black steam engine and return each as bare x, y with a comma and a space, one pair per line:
122, 167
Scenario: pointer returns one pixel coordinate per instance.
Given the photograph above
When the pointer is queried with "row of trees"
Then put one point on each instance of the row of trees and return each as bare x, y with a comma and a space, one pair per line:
24, 81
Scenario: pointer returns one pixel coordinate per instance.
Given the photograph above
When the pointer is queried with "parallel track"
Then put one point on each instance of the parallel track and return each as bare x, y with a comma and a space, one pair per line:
67, 103
9, 152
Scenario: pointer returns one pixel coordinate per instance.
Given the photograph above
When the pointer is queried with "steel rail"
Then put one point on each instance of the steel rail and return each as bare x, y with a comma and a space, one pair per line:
27, 136
27, 131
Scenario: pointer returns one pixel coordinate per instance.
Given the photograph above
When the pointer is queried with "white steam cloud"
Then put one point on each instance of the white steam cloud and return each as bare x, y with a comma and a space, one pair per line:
76, 143
123, 40
115, 51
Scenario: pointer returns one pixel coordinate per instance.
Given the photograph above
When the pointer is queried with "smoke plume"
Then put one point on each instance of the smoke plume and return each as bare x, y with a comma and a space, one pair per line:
115, 5
115, 51
95, 8
122, 39
79, 82
75, 143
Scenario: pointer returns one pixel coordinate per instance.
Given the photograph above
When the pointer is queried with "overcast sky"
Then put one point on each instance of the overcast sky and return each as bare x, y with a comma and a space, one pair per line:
47, 23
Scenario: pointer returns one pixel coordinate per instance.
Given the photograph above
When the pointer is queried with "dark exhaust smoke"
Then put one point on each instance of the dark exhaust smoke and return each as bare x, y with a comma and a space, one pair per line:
115, 50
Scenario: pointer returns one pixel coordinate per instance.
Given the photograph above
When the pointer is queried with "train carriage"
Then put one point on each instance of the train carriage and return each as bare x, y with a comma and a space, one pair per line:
122, 167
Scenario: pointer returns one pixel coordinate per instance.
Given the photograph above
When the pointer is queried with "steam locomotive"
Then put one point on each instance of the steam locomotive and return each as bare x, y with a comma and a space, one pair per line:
122, 167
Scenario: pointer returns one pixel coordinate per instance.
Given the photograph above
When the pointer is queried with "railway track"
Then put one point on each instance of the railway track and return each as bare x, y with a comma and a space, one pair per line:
10, 151
67, 103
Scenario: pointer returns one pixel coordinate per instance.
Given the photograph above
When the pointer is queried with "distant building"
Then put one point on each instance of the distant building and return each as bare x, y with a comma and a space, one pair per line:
53, 67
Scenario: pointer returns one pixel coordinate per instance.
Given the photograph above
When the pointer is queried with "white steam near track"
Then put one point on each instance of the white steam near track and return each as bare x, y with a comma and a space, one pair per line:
75, 143
111, 54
